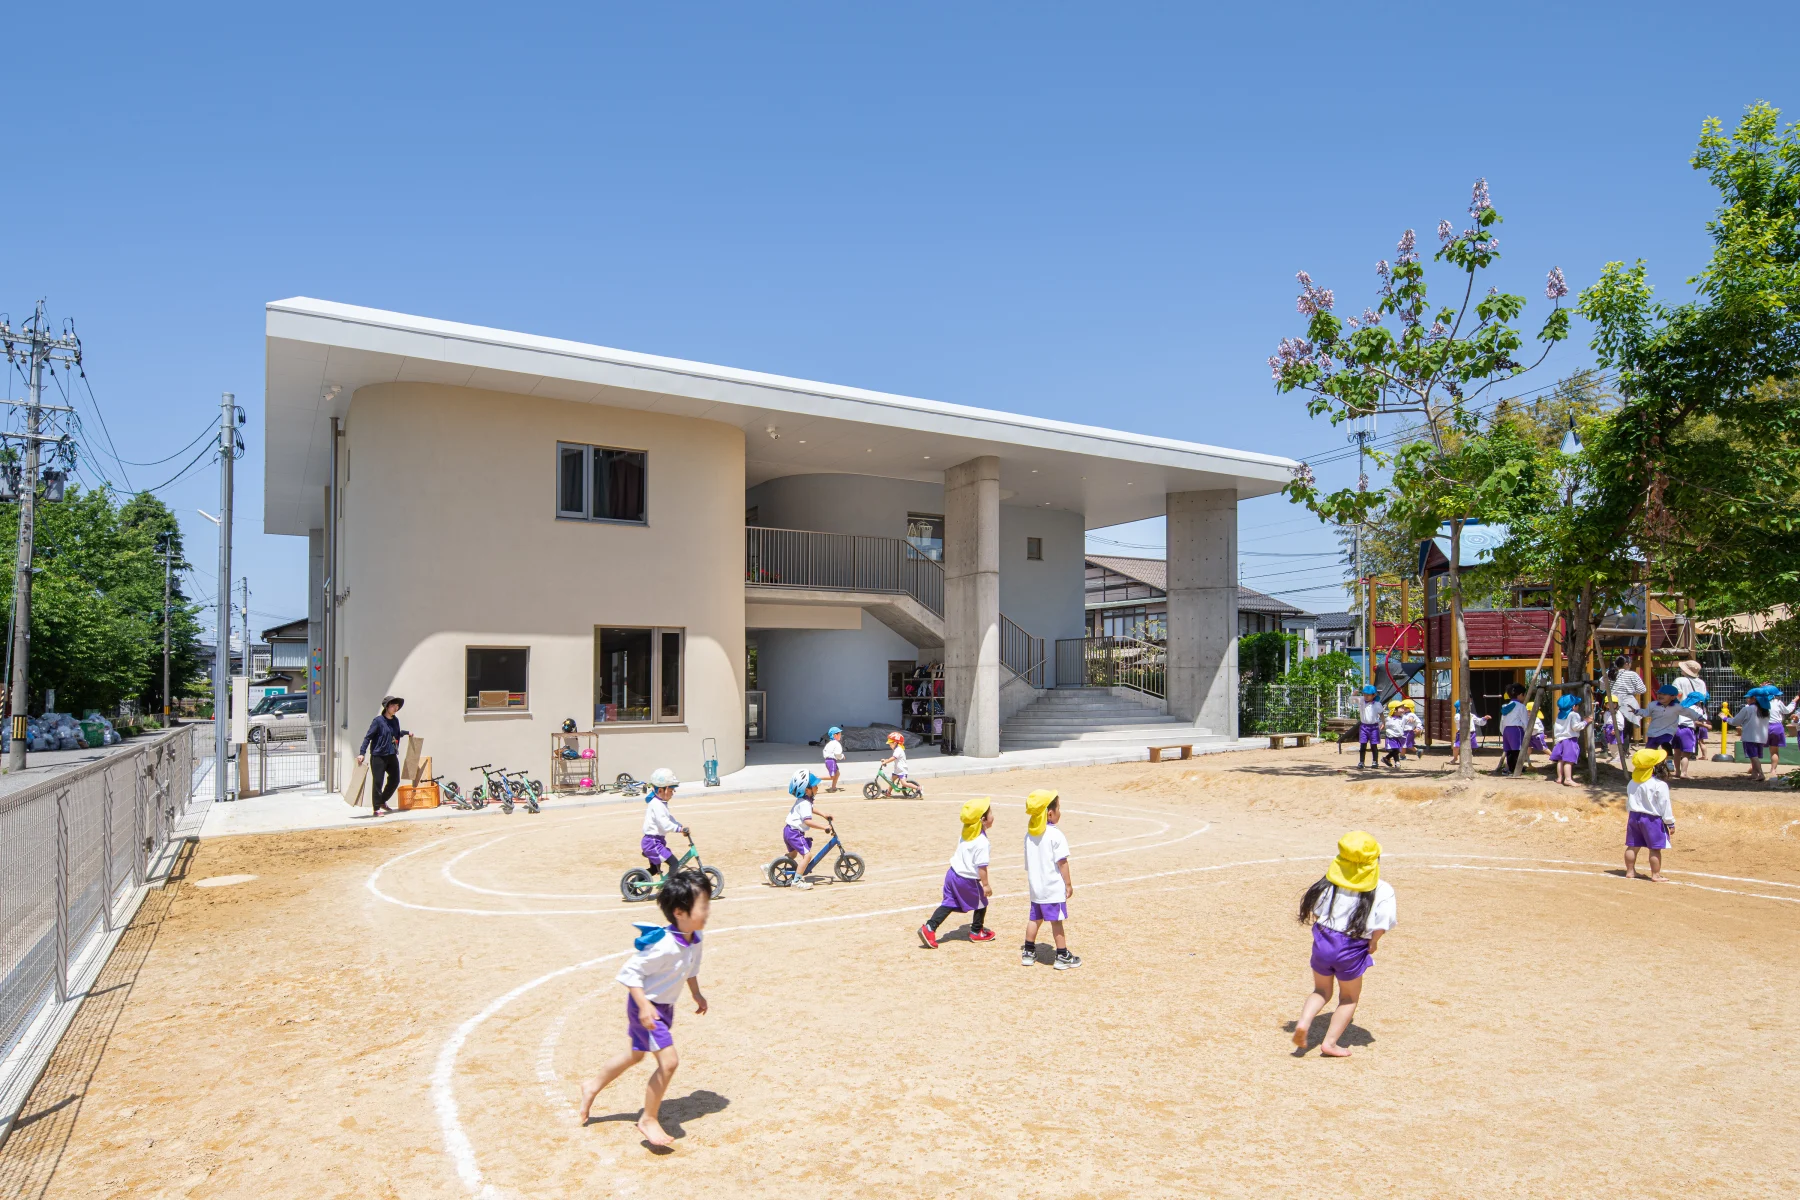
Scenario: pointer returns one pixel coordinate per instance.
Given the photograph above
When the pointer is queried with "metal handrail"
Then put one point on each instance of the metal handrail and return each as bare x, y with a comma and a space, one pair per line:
1115, 661
1021, 653
842, 562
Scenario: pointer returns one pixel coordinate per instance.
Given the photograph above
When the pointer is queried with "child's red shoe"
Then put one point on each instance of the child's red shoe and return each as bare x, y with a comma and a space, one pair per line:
927, 938
982, 935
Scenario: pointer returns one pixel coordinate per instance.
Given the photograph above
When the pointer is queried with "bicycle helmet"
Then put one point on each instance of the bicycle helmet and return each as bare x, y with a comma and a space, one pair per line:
896, 738
662, 777
802, 781
568, 725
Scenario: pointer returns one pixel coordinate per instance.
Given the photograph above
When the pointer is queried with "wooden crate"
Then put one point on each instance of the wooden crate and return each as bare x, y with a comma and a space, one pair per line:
417, 795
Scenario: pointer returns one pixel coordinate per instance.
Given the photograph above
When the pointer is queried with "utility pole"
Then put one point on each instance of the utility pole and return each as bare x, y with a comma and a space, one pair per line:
168, 557
222, 653
249, 666
37, 349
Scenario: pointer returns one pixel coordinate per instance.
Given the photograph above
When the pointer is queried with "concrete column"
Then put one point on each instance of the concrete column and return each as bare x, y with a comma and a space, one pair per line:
1203, 666
972, 604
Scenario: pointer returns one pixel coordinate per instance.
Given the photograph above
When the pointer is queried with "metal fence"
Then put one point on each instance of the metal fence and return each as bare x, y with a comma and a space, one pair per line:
1291, 708
1021, 653
842, 562
70, 845
279, 763
1113, 662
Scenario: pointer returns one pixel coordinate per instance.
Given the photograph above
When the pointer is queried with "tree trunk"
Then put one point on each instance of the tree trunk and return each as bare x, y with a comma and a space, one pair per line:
1579, 633
1465, 764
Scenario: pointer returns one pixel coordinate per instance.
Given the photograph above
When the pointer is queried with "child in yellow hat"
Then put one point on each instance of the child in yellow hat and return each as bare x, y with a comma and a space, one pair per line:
966, 887
1047, 874
1393, 734
1409, 716
1650, 818
1349, 911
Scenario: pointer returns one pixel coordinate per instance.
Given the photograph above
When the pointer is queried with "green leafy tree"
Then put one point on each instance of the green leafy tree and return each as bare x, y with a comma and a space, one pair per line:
1435, 365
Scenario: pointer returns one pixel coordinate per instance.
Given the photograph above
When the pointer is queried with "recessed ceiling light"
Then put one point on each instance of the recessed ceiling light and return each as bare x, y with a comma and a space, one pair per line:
928, 456
803, 441
1034, 470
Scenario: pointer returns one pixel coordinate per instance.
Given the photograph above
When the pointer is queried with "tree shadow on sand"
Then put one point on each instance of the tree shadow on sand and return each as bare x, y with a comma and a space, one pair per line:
1356, 1035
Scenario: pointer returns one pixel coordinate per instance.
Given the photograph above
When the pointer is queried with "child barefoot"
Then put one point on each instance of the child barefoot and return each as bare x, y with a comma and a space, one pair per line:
966, 887
1567, 751
795, 844
1752, 721
1047, 873
666, 958
1349, 910
1650, 818
659, 822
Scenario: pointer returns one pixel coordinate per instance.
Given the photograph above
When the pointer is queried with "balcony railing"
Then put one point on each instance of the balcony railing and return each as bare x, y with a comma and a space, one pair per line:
841, 562
1113, 662
1021, 653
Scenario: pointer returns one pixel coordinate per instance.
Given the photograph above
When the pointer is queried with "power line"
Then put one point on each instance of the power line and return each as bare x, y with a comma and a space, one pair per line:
181, 474
208, 432
94, 401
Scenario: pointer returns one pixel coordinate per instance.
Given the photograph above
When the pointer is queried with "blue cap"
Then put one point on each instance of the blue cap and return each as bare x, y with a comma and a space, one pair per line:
1565, 702
1369, 690
1667, 689
834, 731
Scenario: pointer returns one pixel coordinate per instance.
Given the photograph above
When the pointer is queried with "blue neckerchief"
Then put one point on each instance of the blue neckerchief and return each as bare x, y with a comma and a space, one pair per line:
1509, 706
648, 935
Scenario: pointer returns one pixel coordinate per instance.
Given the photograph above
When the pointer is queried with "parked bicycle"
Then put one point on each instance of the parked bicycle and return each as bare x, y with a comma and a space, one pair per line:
639, 884
452, 794
498, 788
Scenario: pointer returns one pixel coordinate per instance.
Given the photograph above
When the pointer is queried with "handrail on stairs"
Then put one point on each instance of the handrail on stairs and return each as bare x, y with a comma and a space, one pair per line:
1021, 654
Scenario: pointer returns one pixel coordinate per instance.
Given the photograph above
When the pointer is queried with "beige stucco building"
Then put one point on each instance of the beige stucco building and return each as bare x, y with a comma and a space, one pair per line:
513, 531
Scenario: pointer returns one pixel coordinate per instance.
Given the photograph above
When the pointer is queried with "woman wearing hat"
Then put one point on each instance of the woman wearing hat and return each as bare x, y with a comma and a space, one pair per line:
382, 743
1650, 818
1349, 909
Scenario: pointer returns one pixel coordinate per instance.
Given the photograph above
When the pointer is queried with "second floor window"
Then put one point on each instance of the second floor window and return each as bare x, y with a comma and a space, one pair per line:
600, 483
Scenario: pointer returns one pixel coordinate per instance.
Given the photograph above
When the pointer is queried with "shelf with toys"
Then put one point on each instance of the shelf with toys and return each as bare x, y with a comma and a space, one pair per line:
573, 760
922, 702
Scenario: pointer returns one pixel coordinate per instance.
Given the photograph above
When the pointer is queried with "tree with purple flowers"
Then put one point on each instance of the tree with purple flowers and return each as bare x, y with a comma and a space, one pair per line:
1436, 366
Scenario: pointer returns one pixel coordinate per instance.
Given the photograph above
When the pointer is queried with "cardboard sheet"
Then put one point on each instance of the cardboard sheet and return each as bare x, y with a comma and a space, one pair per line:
356, 792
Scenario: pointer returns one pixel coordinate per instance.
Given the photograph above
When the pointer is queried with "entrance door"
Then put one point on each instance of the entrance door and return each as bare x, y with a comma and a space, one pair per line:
1489, 688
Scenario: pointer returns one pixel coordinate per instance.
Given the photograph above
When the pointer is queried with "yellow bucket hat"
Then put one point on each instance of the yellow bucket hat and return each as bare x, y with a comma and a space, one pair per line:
972, 812
1644, 764
1357, 867
1036, 805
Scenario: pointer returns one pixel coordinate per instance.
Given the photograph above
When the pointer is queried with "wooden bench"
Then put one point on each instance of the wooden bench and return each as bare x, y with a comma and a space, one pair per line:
1186, 748
1278, 741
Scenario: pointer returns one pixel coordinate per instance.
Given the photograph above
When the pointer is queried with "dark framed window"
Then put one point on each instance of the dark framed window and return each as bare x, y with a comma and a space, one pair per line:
601, 483
1034, 549
496, 678
926, 532
638, 674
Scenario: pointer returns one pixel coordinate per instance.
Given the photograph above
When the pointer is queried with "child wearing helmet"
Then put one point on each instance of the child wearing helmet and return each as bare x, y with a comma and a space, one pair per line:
834, 753
1349, 911
800, 818
659, 822
1368, 726
896, 759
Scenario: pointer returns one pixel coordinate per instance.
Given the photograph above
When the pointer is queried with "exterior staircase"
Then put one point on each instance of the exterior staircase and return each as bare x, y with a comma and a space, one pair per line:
1084, 716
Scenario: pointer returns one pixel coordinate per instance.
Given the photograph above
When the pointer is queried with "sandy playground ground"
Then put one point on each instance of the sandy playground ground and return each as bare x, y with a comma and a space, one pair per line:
405, 1011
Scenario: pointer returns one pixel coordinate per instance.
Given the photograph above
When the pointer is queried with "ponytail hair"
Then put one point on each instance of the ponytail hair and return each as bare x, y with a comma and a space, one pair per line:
1359, 919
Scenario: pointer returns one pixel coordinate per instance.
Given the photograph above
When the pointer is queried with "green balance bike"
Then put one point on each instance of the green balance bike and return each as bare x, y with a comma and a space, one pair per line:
883, 785
640, 884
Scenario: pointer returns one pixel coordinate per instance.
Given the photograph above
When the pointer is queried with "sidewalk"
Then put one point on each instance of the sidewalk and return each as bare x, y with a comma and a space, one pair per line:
768, 768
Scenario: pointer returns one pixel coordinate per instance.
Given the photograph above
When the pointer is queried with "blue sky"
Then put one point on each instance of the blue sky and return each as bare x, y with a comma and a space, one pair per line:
1091, 213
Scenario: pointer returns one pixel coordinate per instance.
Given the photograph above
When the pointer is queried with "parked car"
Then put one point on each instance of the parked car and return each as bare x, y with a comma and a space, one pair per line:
280, 718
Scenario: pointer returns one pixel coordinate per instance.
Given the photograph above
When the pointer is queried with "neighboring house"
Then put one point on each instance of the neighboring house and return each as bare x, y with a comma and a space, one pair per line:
1128, 597
514, 531
1337, 632
289, 655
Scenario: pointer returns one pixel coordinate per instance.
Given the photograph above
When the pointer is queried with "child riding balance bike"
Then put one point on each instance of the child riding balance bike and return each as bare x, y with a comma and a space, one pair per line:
890, 777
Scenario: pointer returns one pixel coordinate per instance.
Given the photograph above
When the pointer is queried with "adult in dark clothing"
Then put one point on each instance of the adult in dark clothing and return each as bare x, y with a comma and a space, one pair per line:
382, 743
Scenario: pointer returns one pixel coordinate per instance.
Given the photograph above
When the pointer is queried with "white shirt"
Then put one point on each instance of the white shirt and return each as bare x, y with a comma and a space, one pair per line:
1338, 905
1394, 726
1780, 711
1041, 856
834, 749
970, 857
1662, 719
1413, 723
658, 820
662, 968
1513, 715
1570, 725
1651, 796
1751, 721
899, 757
800, 814
1537, 726
1370, 713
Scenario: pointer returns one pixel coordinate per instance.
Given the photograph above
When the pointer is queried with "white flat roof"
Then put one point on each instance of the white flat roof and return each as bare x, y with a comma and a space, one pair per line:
320, 353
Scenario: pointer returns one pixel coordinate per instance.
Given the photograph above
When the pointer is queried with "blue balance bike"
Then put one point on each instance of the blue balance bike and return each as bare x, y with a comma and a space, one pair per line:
848, 868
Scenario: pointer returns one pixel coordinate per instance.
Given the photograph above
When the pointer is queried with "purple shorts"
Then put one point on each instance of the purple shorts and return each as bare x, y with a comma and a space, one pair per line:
1367, 734
1607, 736
831, 767
1568, 750
1409, 739
796, 842
1047, 912
1396, 743
655, 849
1339, 955
962, 895
1511, 738
1662, 741
650, 1039
1753, 750
1645, 831
1537, 743
1777, 736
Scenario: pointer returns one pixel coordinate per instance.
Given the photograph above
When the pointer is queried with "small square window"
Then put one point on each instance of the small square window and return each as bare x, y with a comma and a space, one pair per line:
495, 677
1034, 549
596, 483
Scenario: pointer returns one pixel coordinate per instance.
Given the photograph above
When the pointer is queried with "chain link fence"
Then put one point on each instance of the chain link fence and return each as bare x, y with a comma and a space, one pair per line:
1293, 708
70, 847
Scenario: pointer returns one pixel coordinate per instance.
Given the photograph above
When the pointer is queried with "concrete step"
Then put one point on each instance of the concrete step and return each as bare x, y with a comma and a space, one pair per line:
1051, 725
1141, 735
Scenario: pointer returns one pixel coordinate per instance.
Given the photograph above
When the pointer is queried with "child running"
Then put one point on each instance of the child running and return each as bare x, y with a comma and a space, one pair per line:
1650, 818
966, 887
1368, 727
659, 822
667, 957
1394, 737
1047, 874
1414, 727
794, 842
1567, 751
1348, 910
834, 754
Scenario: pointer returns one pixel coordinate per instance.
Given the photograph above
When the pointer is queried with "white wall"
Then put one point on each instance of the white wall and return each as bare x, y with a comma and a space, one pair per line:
863, 504
819, 678
1044, 598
